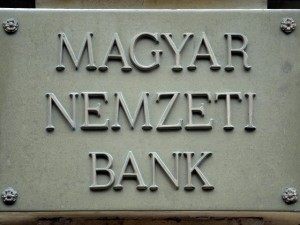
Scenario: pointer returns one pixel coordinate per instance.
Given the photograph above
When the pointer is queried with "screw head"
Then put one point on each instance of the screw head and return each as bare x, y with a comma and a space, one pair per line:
290, 195
10, 25
9, 196
288, 25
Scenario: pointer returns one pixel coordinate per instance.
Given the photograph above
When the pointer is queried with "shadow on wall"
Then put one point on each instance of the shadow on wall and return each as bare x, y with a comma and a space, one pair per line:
283, 4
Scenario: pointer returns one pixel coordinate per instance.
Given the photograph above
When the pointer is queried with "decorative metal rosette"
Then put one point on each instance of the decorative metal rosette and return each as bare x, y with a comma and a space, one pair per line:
11, 25
9, 196
289, 195
288, 25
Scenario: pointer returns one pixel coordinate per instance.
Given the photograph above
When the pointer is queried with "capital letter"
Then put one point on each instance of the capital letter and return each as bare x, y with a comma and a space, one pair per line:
52, 99
228, 96
96, 110
87, 43
136, 174
115, 43
177, 51
209, 55
199, 110
195, 169
155, 53
161, 125
105, 170
237, 51
157, 160
250, 126
143, 102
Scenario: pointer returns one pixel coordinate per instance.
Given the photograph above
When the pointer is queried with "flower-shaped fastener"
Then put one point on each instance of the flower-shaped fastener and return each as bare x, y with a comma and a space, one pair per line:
11, 25
289, 195
288, 25
9, 196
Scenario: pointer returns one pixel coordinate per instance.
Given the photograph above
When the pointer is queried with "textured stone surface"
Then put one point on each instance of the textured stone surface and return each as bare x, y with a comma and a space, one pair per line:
151, 218
155, 4
51, 171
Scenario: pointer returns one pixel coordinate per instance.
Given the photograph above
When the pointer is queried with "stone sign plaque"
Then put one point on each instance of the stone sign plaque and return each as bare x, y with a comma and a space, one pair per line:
149, 110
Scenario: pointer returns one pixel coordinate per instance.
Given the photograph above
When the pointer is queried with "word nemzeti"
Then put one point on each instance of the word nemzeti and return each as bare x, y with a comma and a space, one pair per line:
136, 174
116, 52
143, 106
